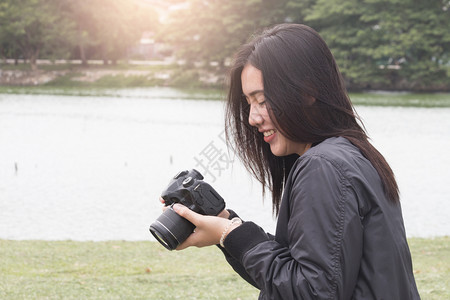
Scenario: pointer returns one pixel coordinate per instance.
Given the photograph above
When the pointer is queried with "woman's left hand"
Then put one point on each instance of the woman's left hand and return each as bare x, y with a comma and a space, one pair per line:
208, 229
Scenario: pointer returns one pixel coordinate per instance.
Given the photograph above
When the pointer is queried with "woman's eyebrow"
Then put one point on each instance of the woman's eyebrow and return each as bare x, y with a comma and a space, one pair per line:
252, 93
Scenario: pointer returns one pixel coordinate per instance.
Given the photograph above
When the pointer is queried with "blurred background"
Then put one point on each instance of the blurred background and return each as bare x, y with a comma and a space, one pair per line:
103, 101
379, 44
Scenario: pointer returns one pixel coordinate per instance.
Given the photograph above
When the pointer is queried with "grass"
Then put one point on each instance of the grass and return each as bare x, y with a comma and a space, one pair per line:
102, 88
180, 77
401, 99
110, 85
105, 82
72, 66
431, 261
146, 270
115, 270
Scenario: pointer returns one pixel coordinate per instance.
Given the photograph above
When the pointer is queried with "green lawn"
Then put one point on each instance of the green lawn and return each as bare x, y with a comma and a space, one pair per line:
146, 270
101, 89
401, 99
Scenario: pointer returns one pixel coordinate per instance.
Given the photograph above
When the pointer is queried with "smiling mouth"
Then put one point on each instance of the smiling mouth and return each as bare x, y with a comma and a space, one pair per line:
269, 132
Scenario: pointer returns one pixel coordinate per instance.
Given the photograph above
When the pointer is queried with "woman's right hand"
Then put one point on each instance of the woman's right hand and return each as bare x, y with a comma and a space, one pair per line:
223, 214
208, 229
163, 202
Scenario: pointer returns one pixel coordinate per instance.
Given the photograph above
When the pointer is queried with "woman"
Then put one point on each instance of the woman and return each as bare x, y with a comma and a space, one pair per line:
340, 232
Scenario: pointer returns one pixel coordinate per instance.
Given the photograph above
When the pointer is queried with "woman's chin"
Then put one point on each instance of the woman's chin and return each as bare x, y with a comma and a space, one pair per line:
276, 151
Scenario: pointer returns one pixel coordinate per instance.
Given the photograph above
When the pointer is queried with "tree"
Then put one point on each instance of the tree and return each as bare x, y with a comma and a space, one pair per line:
110, 26
387, 43
119, 24
83, 12
211, 30
295, 11
35, 26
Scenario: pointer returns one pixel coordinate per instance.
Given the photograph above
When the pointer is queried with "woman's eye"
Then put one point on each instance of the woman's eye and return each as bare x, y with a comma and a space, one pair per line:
262, 103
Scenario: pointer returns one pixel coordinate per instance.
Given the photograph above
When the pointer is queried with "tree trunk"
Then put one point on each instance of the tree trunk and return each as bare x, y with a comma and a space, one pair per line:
2, 52
81, 47
33, 64
105, 59
34, 54
83, 55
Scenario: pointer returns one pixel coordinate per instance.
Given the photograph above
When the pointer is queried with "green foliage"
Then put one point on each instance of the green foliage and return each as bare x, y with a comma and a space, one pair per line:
115, 81
185, 77
112, 25
401, 44
401, 99
379, 44
32, 27
122, 81
212, 30
52, 28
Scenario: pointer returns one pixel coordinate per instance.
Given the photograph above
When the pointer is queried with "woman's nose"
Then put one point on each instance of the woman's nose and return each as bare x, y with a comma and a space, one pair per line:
254, 117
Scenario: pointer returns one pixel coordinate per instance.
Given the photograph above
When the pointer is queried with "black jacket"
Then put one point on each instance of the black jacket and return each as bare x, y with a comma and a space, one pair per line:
337, 235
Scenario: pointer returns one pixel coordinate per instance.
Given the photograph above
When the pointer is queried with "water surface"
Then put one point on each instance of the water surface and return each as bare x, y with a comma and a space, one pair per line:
92, 168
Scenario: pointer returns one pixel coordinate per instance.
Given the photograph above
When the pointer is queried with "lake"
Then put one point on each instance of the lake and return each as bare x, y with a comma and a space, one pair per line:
92, 167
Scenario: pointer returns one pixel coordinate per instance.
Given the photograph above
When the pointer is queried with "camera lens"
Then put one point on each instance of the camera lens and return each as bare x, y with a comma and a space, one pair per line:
170, 229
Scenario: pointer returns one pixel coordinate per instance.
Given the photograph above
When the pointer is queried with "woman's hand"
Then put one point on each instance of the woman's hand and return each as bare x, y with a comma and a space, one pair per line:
223, 214
208, 229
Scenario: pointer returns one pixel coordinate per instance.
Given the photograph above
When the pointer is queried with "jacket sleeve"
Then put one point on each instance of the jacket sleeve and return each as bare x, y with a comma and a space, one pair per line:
324, 239
234, 263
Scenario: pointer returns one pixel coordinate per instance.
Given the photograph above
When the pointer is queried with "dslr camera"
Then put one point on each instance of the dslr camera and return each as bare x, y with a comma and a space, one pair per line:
189, 189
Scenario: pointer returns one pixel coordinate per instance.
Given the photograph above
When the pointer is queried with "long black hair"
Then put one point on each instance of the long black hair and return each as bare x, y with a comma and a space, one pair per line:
306, 99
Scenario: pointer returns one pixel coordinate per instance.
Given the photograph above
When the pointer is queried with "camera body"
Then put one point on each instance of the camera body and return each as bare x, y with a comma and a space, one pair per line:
189, 189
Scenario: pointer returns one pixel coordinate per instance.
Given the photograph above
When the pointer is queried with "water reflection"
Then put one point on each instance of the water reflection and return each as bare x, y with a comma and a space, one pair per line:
91, 168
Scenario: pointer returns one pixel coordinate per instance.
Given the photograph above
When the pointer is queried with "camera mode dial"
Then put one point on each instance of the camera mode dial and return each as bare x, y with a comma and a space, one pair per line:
188, 182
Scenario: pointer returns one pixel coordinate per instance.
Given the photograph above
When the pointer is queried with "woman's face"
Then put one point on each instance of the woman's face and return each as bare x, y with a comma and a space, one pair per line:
253, 89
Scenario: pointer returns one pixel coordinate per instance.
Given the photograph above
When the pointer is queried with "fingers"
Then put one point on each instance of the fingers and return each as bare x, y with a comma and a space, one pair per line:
224, 214
190, 241
186, 213
163, 202
208, 231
